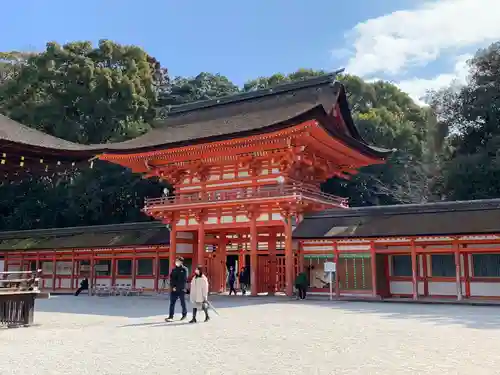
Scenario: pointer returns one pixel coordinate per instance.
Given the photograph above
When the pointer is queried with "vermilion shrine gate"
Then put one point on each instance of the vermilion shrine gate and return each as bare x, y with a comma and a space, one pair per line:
244, 169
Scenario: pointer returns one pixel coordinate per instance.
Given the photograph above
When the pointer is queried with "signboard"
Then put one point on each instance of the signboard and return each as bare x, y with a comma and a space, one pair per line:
330, 267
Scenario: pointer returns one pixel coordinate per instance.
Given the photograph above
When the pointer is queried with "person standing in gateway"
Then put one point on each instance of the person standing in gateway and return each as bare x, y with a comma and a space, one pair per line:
178, 279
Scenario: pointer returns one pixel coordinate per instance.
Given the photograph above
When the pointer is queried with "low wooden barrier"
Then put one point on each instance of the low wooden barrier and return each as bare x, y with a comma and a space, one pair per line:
18, 291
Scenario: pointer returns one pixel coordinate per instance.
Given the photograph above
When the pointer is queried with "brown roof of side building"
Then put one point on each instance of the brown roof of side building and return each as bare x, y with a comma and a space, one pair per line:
98, 236
225, 118
442, 218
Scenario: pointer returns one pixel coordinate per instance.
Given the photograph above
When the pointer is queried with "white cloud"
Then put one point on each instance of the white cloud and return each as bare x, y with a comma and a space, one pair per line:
418, 87
394, 42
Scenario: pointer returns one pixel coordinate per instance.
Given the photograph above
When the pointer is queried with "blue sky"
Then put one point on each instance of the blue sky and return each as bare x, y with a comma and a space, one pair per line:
240, 39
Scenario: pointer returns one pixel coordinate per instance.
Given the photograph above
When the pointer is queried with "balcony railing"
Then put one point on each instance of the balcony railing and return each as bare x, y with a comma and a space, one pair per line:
295, 191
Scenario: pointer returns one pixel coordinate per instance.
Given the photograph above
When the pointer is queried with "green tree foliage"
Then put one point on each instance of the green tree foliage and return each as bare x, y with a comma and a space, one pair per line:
87, 95
204, 86
84, 94
469, 132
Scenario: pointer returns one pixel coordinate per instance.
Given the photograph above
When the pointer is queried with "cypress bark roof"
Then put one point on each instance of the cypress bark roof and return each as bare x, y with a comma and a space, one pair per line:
116, 235
443, 218
225, 118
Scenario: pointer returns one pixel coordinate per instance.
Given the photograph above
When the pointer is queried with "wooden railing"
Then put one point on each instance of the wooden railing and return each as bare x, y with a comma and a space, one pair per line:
18, 291
246, 194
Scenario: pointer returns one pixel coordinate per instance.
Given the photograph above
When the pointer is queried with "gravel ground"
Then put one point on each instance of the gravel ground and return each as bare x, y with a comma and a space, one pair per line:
127, 335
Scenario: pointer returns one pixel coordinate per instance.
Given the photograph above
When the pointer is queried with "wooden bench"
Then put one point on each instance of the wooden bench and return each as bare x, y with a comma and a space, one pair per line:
18, 292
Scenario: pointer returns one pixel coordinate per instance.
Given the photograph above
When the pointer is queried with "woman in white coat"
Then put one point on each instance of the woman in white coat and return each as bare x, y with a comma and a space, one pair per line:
199, 294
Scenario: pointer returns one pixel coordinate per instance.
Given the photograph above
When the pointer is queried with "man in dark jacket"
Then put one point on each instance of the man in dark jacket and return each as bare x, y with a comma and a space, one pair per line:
244, 280
178, 279
231, 280
84, 285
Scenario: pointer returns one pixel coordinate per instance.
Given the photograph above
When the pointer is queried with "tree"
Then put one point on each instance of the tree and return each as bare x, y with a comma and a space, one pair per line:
204, 86
10, 64
87, 95
84, 94
471, 116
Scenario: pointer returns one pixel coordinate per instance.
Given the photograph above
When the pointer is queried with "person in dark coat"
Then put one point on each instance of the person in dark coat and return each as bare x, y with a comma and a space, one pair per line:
178, 280
244, 280
301, 283
231, 280
84, 285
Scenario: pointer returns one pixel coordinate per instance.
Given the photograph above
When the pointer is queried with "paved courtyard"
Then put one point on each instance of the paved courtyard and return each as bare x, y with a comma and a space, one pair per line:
127, 335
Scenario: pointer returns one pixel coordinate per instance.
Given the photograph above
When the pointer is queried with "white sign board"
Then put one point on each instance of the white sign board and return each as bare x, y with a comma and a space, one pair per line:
330, 267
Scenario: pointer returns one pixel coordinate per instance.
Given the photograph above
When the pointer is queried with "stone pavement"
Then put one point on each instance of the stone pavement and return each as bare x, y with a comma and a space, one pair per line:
127, 336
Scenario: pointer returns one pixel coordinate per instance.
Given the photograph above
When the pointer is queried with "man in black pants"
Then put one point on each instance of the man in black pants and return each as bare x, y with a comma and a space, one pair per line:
84, 285
178, 279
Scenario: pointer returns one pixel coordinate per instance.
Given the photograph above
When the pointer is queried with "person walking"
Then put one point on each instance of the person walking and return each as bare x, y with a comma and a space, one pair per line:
301, 283
244, 281
231, 280
178, 279
199, 294
84, 285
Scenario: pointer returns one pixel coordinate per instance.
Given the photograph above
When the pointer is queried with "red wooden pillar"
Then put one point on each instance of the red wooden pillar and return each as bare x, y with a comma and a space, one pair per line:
54, 270
337, 261
425, 266
172, 249
201, 240
289, 261
72, 282
414, 269
221, 287
37, 260
254, 242
157, 270
467, 274
92, 270
273, 277
114, 268
6, 262
458, 270
134, 268
373, 262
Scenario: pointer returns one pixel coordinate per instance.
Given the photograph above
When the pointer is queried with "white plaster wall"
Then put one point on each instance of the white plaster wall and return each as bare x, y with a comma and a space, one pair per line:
442, 288
145, 283
482, 289
401, 287
1, 265
65, 283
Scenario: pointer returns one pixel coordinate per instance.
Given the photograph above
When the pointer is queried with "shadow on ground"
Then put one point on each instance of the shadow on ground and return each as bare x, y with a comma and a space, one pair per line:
479, 317
139, 307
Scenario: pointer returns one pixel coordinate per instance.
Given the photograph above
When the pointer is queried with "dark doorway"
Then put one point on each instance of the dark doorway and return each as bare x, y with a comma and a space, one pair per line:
382, 264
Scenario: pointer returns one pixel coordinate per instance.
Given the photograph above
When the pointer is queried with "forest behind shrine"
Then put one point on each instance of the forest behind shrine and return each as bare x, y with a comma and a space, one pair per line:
448, 150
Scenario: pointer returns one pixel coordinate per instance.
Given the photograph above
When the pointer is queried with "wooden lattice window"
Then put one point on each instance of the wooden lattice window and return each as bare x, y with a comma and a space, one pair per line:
401, 265
486, 265
443, 265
